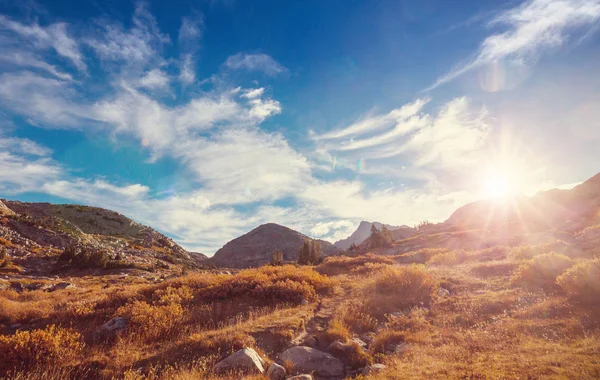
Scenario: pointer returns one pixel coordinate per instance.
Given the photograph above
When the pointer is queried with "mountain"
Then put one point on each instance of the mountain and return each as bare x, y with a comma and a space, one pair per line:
364, 231
36, 233
572, 210
254, 248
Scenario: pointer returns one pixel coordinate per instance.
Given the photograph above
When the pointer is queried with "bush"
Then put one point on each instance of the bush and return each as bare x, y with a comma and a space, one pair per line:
336, 265
3, 257
84, 258
449, 258
385, 338
396, 288
541, 271
335, 331
151, 321
582, 282
28, 349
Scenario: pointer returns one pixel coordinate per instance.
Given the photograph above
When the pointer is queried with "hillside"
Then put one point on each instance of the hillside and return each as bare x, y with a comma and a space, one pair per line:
364, 231
254, 248
35, 234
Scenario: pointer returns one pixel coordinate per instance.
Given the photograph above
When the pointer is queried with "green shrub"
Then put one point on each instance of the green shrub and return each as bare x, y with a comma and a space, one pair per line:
582, 282
541, 271
83, 258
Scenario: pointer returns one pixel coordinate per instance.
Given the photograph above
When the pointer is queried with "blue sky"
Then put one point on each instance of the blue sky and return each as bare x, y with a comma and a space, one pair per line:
208, 118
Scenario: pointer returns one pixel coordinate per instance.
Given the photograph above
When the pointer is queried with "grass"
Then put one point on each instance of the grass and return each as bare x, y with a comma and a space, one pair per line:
509, 312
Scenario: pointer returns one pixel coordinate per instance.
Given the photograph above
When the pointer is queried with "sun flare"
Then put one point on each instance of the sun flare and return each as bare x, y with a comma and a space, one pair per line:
498, 185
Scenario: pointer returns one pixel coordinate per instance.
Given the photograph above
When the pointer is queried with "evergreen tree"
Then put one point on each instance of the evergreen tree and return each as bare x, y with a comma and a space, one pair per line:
304, 254
352, 247
375, 237
277, 257
315, 253
385, 237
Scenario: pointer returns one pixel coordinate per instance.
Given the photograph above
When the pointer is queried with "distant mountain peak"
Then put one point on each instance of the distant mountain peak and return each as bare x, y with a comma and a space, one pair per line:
362, 233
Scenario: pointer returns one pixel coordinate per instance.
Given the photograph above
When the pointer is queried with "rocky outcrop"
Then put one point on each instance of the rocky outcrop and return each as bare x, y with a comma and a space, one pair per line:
244, 360
255, 248
111, 327
306, 359
276, 372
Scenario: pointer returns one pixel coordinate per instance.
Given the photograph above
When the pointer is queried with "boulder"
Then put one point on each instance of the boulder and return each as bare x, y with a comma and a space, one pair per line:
372, 369
443, 292
360, 342
246, 360
401, 348
300, 377
60, 286
310, 341
304, 302
114, 325
336, 346
308, 359
276, 372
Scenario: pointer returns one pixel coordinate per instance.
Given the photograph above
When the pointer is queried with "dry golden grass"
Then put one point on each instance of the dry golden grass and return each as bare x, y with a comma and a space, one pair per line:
541, 271
582, 282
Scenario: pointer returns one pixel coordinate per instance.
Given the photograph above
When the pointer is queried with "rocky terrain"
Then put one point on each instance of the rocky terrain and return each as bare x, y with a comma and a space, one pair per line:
35, 234
364, 231
254, 248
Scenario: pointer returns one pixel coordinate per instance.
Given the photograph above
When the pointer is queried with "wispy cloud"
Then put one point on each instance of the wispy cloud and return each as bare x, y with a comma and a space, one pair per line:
255, 62
531, 27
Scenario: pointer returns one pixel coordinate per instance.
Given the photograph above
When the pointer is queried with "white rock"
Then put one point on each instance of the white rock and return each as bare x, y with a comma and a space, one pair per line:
371, 369
304, 302
308, 359
360, 342
443, 292
276, 372
245, 359
112, 326
300, 377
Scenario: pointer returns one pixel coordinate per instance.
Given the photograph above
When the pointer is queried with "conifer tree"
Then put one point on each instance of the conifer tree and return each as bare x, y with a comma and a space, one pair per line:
315, 253
304, 254
277, 257
375, 237
385, 237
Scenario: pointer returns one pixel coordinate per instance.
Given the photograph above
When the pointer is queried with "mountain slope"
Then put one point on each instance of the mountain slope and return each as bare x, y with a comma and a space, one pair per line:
34, 230
553, 209
364, 231
255, 248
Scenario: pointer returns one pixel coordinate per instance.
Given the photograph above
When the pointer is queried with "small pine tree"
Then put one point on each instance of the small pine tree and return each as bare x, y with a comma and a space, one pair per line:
315, 253
385, 237
375, 237
304, 254
352, 247
277, 257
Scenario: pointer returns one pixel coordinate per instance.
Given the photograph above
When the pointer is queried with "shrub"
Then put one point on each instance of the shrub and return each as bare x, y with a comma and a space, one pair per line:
385, 338
421, 256
356, 316
449, 258
495, 268
3, 257
396, 288
336, 265
335, 331
84, 258
582, 282
541, 271
27, 349
151, 321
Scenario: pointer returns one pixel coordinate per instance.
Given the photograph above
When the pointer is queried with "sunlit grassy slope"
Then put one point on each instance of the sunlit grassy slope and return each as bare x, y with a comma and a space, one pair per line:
518, 312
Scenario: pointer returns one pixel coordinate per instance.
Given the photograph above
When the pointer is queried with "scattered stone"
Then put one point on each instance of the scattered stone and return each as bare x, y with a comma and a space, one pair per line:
300, 377
60, 286
17, 287
245, 359
443, 292
372, 369
360, 342
276, 372
310, 341
401, 348
4, 285
311, 360
368, 338
336, 346
114, 325
304, 302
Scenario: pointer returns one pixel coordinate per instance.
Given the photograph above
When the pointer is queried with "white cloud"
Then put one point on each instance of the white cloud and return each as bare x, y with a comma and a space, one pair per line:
26, 59
532, 26
154, 79
54, 36
190, 35
255, 62
334, 230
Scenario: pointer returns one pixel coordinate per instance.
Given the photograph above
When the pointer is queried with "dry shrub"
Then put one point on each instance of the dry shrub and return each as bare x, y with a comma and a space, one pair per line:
357, 318
449, 258
541, 271
285, 283
27, 349
413, 322
421, 256
222, 342
356, 356
387, 337
151, 321
494, 269
171, 295
397, 288
582, 282
336, 265
335, 331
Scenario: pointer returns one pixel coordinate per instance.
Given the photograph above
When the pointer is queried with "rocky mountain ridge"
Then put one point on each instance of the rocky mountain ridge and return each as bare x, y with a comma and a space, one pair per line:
363, 231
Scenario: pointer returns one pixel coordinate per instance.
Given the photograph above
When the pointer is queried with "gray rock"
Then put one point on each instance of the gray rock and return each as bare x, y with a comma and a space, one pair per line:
443, 292
246, 360
360, 342
336, 346
60, 286
372, 369
300, 377
304, 302
276, 372
308, 359
114, 325
310, 341
401, 348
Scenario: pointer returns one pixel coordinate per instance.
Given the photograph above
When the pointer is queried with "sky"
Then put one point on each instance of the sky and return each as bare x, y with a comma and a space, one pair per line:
205, 119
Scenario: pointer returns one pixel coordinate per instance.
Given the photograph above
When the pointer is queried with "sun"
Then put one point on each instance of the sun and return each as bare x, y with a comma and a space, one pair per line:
498, 184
